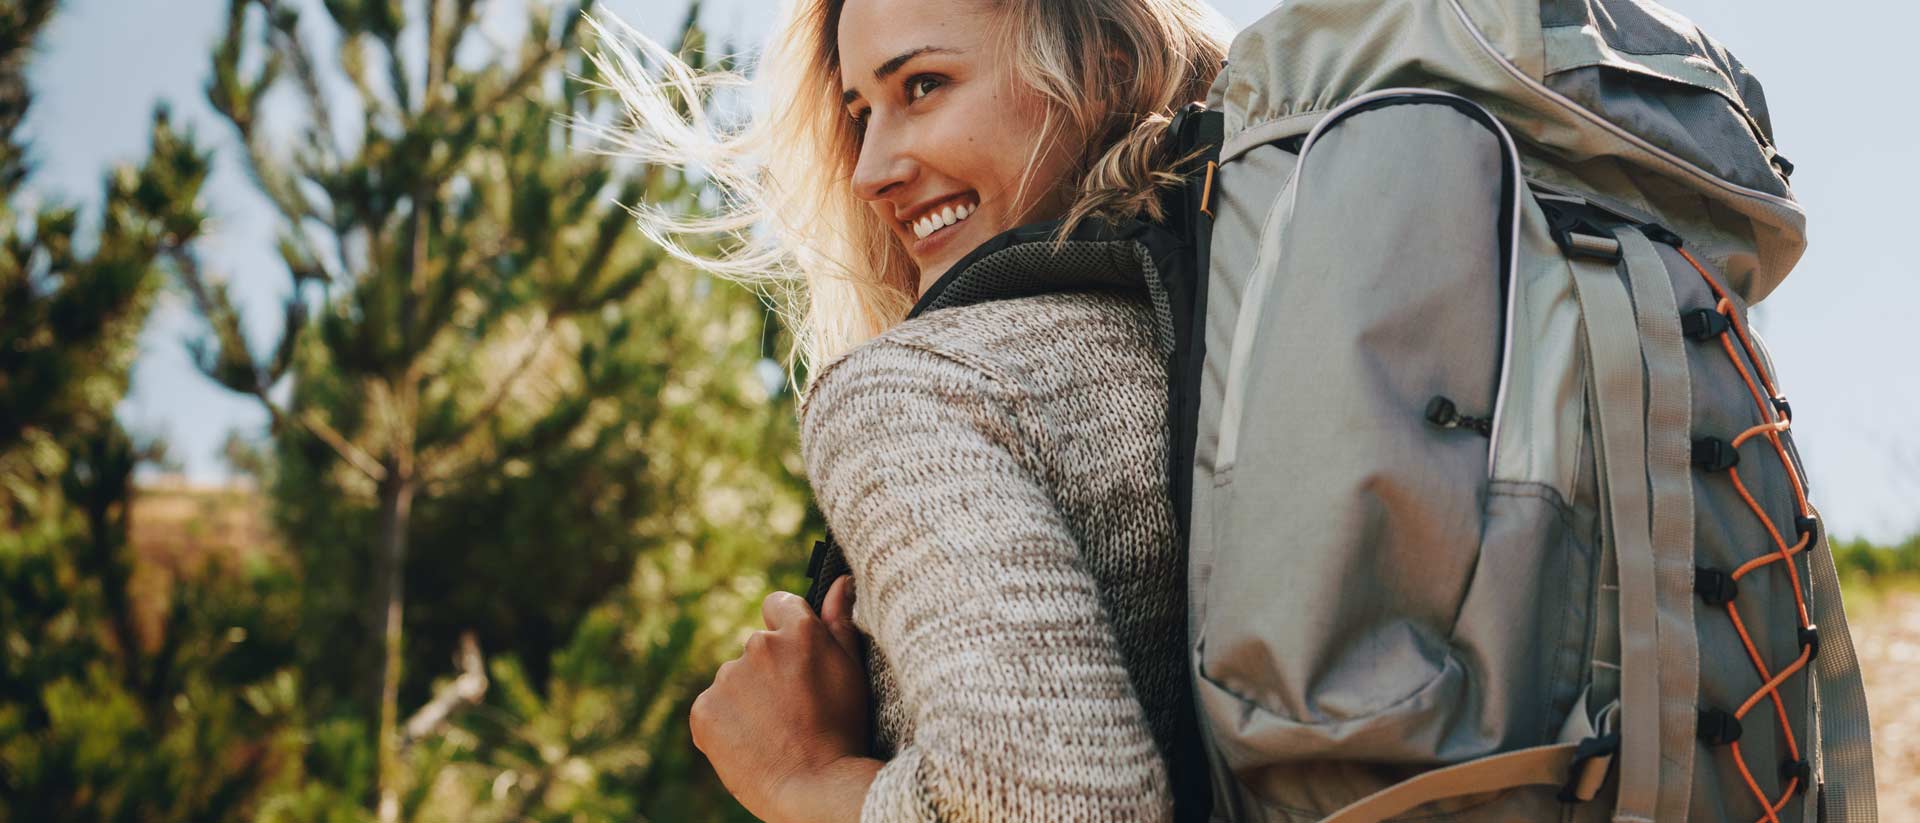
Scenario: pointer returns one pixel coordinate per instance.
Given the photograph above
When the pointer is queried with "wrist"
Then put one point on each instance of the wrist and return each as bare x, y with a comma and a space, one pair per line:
831, 793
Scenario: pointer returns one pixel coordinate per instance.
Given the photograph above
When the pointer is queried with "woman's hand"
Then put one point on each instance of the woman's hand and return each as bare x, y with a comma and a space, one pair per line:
789, 716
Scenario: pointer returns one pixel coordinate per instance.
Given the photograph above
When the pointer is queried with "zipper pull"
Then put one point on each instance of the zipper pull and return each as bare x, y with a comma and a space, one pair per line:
1442, 413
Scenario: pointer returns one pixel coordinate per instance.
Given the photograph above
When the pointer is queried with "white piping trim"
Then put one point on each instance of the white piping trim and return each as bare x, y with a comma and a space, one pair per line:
1512, 289
1246, 326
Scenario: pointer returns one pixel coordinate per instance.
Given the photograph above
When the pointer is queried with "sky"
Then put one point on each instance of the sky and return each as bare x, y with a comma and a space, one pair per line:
1840, 329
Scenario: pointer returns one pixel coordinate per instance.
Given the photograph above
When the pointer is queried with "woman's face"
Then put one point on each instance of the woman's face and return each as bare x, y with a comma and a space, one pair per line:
947, 132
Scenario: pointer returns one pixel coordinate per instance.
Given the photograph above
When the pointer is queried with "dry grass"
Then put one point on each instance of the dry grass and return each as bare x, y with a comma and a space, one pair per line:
179, 530
1886, 634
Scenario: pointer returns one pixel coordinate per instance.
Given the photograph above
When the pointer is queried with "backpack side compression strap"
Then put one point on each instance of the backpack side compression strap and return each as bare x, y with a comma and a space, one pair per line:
1846, 742
1551, 765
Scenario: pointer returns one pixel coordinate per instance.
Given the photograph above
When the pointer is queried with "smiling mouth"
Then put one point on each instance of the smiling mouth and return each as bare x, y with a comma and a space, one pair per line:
944, 217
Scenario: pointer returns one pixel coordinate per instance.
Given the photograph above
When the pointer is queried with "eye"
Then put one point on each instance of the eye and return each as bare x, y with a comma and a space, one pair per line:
859, 119
920, 85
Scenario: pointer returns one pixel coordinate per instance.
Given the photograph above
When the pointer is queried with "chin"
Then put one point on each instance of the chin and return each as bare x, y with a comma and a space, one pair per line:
930, 275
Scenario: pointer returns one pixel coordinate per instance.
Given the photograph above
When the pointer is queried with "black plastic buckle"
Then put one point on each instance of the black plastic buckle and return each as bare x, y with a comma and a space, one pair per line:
1590, 749
1718, 727
1570, 223
1799, 770
1809, 526
1785, 409
1713, 454
1810, 638
1704, 324
1714, 586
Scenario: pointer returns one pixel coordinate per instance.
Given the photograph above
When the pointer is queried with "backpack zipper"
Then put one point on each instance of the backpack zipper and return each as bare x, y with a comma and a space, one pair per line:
1443, 413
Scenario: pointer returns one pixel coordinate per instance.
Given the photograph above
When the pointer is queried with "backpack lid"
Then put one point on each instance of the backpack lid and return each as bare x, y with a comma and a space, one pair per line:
1621, 101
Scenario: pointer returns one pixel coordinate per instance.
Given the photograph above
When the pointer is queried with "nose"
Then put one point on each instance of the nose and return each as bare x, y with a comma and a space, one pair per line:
884, 167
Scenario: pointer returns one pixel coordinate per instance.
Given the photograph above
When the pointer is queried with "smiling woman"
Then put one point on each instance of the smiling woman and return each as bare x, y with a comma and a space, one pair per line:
1045, 106
947, 131
995, 473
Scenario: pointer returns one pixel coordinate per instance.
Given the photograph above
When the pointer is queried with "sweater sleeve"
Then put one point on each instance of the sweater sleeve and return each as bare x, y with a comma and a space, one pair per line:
973, 587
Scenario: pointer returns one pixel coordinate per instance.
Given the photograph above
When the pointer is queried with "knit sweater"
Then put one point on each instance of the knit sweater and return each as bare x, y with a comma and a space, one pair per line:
996, 476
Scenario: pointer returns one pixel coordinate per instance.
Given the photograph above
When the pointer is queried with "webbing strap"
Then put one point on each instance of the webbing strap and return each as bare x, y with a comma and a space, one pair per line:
1669, 473
1846, 741
1614, 386
1536, 766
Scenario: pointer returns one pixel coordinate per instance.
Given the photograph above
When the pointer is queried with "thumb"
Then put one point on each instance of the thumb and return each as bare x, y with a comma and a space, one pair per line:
837, 612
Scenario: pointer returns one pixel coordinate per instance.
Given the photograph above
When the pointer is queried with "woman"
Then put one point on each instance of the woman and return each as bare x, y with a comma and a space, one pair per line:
994, 473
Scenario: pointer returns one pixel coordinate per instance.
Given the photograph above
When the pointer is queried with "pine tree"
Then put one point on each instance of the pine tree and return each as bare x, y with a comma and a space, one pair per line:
104, 715
468, 342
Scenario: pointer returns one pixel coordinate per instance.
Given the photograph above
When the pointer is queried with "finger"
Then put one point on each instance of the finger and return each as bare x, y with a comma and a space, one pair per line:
837, 607
782, 609
837, 611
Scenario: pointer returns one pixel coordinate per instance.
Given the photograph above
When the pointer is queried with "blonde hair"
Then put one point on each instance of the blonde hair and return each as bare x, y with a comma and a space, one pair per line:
834, 270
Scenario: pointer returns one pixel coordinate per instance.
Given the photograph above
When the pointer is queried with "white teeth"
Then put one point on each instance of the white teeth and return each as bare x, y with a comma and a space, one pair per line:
941, 219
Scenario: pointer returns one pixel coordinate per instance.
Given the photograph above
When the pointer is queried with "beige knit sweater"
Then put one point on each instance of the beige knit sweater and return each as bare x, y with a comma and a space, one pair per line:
996, 476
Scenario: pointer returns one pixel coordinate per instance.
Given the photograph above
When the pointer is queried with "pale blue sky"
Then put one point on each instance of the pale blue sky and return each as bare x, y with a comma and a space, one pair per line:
1841, 328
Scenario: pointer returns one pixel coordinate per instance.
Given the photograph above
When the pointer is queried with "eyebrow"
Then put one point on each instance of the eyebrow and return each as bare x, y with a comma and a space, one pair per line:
894, 65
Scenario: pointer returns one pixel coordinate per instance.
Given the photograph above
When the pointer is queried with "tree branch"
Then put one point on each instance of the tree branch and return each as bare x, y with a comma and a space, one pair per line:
465, 690
500, 392
189, 270
303, 68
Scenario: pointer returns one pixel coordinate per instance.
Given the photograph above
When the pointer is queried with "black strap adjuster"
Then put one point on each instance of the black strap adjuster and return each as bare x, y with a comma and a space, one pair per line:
1809, 526
1715, 587
1704, 324
1810, 638
1578, 233
1718, 727
1799, 770
1713, 454
1594, 754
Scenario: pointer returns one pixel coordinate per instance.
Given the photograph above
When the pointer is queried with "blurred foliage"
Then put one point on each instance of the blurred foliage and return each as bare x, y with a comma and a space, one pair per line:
1861, 559
493, 403
103, 718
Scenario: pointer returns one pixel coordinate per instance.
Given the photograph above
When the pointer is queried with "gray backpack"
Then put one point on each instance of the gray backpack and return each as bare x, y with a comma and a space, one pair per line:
1495, 513
1492, 507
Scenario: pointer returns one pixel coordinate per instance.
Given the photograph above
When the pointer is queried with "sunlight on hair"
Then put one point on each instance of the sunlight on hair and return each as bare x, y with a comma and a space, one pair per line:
791, 224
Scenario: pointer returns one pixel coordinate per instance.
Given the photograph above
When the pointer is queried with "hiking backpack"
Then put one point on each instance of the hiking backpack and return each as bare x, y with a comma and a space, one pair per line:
1490, 497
